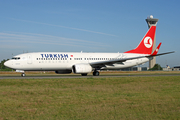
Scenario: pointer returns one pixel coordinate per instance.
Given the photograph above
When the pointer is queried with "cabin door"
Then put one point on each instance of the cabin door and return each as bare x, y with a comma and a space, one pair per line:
29, 59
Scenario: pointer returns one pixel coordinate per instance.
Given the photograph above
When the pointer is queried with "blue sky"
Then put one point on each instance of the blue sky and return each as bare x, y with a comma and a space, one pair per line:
87, 25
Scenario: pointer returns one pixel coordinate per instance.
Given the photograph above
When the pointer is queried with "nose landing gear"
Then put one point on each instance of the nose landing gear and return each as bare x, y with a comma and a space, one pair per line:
23, 74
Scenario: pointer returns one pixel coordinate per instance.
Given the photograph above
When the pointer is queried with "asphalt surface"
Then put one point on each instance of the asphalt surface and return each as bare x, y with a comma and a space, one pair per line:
79, 76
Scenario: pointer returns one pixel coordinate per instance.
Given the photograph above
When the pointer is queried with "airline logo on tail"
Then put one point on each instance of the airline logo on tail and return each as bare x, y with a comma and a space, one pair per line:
148, 42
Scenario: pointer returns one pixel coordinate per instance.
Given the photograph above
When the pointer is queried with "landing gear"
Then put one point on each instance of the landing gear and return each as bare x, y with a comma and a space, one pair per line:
23, 74
96, 73
84, 74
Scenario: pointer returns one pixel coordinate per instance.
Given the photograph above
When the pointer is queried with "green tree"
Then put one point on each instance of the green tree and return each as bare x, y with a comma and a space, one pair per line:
2, 64
156, 67
3, 67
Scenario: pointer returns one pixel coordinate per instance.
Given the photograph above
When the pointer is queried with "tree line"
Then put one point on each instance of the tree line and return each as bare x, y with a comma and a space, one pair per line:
3, 67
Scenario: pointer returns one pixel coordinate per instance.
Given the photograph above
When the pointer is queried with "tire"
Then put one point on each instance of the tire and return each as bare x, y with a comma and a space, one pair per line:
23, 74
96, 73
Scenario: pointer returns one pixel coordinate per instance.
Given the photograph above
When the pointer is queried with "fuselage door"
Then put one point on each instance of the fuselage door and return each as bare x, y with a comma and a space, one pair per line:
29, 59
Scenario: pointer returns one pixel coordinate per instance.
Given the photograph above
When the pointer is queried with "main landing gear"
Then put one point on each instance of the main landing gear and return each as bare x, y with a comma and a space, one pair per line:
23, 74
95, 73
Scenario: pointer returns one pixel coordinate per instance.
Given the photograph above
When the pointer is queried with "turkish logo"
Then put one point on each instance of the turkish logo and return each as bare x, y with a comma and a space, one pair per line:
148, 42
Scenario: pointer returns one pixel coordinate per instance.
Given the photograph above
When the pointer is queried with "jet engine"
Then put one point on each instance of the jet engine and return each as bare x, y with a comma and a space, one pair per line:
81, 68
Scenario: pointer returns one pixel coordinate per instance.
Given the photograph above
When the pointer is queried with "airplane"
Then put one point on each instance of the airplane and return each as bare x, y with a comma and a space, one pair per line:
84, 63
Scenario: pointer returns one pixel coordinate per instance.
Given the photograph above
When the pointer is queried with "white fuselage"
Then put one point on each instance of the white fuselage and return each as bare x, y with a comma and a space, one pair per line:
52, 61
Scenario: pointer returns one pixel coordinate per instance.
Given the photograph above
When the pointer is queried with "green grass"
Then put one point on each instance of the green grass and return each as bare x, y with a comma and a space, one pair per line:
91, 98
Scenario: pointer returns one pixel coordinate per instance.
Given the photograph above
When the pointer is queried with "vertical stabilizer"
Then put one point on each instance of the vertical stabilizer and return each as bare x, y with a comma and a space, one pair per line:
146, 44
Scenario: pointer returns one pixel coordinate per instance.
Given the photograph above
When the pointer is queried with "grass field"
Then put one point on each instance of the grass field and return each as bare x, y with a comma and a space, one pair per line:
91, 98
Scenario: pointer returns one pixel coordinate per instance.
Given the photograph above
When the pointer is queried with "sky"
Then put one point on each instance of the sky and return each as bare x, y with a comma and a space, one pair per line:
88, 26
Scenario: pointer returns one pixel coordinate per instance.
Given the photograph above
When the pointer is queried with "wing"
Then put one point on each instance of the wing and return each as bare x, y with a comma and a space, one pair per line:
111, 62
120, 61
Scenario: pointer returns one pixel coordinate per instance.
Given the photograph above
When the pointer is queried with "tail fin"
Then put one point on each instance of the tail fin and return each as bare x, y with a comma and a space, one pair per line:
146, 44
156, 50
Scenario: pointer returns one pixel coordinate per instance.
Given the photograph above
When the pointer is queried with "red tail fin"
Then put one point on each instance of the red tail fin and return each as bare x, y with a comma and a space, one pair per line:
146, 44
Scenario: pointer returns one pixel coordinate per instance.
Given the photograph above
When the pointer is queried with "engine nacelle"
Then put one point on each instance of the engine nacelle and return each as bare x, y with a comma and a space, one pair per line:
81, 68
63, 71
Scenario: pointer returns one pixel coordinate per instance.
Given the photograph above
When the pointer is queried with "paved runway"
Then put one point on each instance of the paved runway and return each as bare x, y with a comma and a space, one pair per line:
79, 76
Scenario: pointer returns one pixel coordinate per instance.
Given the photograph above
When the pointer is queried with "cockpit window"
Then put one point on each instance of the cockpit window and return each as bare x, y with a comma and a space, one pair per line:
16, 58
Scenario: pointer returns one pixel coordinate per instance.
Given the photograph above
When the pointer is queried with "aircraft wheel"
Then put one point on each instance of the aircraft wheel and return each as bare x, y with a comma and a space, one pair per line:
23, 74
96, 73
84, 74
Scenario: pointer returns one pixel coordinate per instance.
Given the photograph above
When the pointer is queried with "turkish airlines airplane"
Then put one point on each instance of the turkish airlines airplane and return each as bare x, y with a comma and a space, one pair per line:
84, 63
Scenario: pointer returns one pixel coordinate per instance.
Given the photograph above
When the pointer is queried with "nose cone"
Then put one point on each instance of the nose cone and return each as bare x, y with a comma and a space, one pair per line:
7, 64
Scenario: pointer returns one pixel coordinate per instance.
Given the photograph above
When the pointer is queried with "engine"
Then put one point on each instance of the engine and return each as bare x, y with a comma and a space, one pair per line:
81, 68
63, 71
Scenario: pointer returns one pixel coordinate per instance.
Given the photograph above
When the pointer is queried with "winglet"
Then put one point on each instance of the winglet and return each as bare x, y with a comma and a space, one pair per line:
156, 50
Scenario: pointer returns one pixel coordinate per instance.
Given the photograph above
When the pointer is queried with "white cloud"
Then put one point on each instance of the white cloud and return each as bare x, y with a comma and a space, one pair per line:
65, 27
12, 38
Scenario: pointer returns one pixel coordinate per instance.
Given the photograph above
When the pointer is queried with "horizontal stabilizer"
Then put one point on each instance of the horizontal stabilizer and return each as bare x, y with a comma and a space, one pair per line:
161, 54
